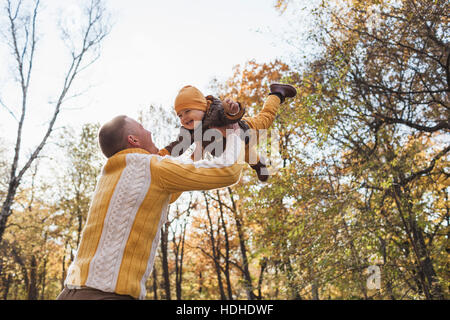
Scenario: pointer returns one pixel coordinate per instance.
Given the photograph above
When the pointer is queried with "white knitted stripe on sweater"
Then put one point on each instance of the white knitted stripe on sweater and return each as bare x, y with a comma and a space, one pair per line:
127, 197
73, 279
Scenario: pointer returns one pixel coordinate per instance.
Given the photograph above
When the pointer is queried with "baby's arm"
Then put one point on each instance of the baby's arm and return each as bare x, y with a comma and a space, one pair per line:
179, 146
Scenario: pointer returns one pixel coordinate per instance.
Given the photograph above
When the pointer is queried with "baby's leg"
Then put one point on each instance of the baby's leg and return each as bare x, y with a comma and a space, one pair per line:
264, 119
251, 154
256, 162
252, 157
278, 93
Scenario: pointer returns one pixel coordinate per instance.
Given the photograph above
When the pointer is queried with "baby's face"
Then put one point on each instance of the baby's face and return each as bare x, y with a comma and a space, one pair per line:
188, 117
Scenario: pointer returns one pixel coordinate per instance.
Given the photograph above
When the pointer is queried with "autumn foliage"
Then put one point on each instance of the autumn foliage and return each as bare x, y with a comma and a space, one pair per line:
362, 179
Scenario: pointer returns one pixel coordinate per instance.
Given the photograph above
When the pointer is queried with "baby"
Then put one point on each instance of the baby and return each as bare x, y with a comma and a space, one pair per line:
194, 109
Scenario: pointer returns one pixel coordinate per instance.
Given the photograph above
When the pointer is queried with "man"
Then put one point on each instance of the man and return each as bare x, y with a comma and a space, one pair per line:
121, 235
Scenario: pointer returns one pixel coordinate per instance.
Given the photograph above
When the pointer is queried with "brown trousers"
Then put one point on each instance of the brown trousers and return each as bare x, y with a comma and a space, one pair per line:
86, 293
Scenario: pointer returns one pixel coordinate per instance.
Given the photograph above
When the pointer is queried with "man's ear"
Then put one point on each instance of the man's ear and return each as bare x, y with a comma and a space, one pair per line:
132, 140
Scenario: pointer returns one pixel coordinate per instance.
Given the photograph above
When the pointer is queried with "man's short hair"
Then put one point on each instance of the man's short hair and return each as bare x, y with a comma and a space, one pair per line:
112, 136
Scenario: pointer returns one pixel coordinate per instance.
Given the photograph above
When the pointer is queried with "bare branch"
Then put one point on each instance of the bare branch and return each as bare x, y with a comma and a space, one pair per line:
23, 46
9, 110
71, 74
440, 125
427, 169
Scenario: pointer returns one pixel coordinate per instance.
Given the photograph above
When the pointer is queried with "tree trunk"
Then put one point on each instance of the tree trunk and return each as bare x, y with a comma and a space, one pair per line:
227, 249
426, 273
179, 263
215, 255
165, 261
245, 270
355, 260
200, 283
263, 265
32, 288
426, 264
43, 279
178, 244
63, 271
6, 208
155, 284
6, 286
20, 262
292, 286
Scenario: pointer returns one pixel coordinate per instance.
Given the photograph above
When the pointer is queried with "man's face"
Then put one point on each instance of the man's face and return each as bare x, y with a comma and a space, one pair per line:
140, 137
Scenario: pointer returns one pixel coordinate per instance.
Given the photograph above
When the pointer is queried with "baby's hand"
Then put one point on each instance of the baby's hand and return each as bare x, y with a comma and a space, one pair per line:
231, 107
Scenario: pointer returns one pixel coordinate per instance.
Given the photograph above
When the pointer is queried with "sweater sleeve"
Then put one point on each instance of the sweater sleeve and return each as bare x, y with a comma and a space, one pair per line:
176, 174
163, 152
265, 118
235, 116
174, 197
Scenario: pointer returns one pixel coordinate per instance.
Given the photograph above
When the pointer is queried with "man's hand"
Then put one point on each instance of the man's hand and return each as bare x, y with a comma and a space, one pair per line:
230, 106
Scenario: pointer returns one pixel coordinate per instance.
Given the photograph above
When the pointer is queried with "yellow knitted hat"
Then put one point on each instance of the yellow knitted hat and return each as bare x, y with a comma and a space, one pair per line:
190, 97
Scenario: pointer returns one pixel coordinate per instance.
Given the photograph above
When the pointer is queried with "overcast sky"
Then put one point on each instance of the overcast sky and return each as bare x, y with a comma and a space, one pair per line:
154, 48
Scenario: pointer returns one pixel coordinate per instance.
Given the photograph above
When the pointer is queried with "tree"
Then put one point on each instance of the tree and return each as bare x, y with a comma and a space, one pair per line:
22, 39
250, 86
47, 227
30, 252
378, 97
80, 168
178, 235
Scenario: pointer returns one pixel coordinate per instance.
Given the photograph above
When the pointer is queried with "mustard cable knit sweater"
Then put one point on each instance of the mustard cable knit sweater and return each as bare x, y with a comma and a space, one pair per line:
122, 231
